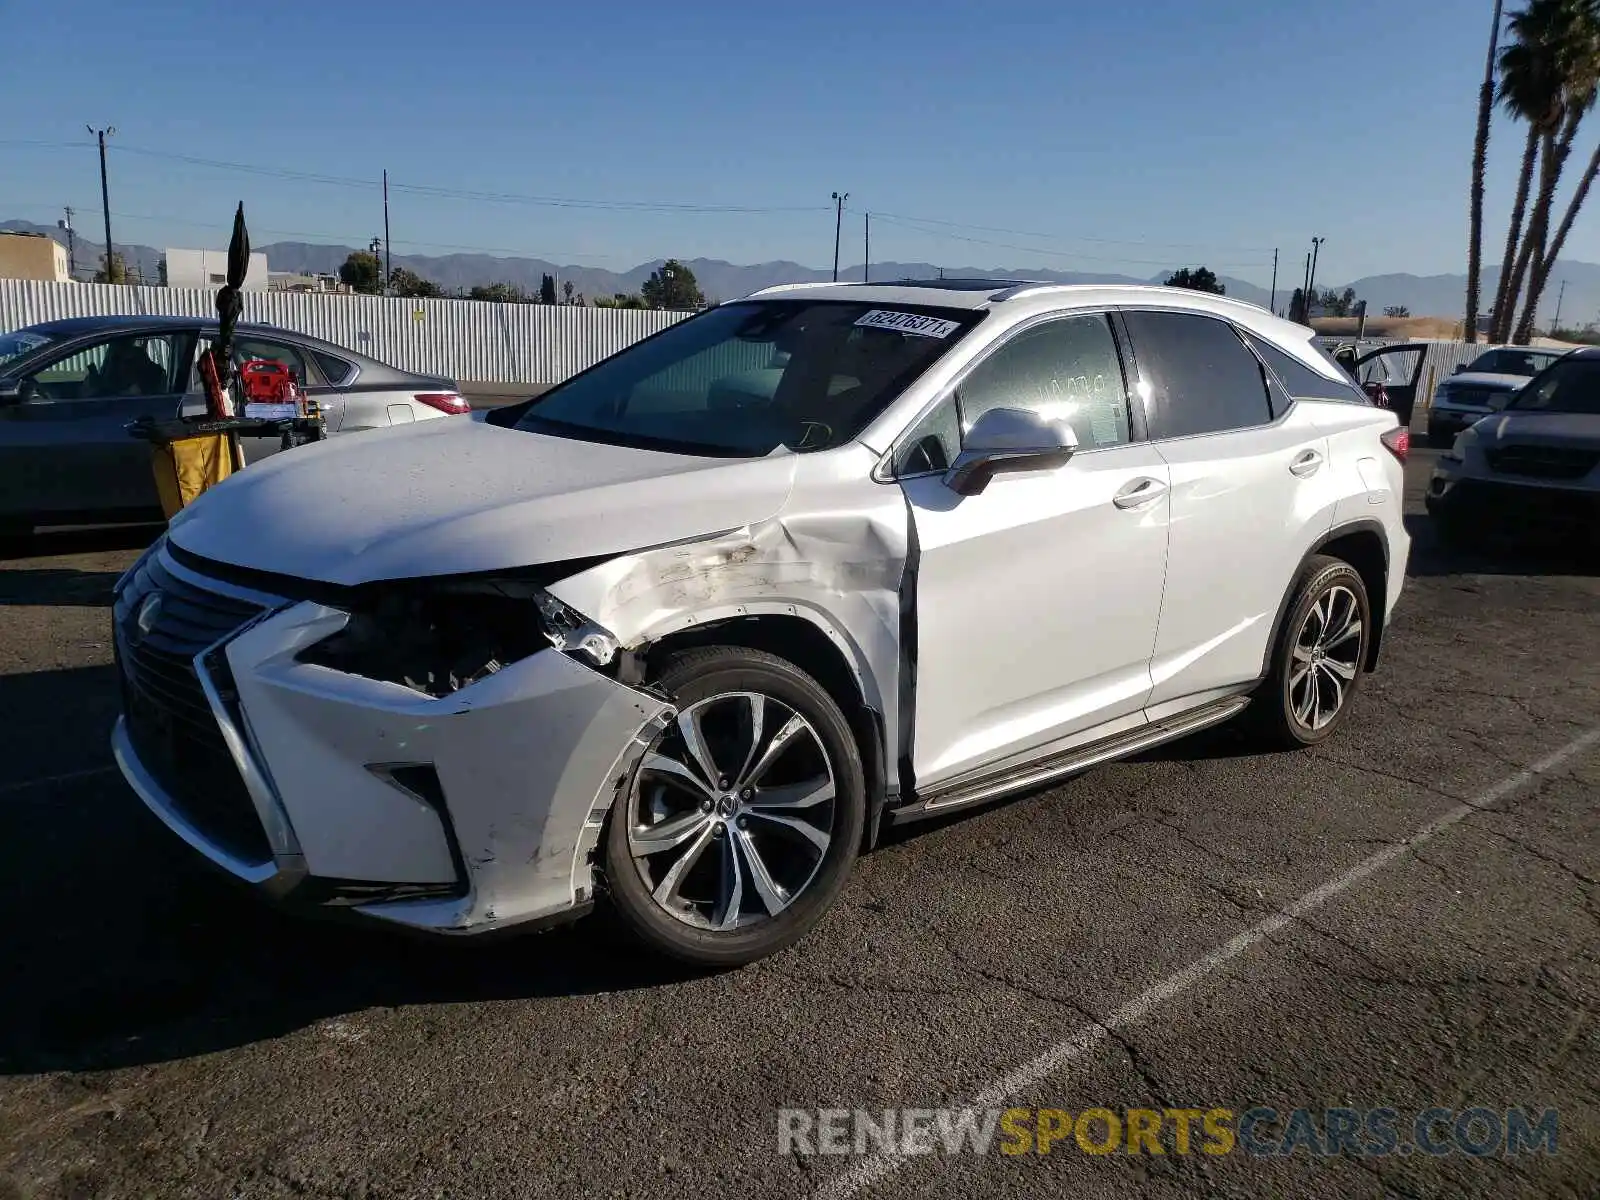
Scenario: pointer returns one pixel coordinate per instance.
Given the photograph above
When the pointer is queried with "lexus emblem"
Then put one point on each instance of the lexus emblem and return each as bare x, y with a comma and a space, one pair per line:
149, 613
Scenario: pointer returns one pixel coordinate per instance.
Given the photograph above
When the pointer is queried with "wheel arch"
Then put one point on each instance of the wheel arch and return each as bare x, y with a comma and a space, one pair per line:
800, 637
1364, 545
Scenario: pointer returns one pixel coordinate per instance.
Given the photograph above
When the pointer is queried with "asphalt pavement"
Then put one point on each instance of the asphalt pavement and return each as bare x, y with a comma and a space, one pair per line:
1201, 928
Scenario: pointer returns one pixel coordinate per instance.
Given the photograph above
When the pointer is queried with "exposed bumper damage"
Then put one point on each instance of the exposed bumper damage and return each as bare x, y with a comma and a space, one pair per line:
453, 814
466, 790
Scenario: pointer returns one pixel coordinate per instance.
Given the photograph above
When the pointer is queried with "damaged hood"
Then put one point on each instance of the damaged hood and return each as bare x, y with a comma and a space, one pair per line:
453, 496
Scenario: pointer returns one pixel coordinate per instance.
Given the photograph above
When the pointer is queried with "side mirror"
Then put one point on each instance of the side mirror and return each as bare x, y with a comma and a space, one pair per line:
16, 391
1460, 368
1008, 439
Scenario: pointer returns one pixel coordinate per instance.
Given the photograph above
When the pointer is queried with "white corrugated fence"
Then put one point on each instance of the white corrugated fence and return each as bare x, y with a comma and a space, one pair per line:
466, 339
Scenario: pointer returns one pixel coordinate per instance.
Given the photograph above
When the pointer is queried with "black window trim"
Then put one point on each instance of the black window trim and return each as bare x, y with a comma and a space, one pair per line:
885, 471
1268, 380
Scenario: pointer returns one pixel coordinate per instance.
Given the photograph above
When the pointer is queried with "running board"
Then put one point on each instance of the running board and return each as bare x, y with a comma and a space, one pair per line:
962, 792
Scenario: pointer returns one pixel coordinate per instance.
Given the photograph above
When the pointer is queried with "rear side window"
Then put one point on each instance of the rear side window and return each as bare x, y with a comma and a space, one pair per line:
1201, 377
1300, 380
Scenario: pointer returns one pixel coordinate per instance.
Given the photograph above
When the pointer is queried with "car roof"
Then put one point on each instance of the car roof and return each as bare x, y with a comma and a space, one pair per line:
77, 326
989, 293
1025, 297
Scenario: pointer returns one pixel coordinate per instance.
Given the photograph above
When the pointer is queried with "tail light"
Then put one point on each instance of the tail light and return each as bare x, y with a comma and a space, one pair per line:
1397, 441
453, 403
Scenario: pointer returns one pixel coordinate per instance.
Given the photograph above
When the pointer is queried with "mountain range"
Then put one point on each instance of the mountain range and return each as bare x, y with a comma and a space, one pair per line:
1423, 295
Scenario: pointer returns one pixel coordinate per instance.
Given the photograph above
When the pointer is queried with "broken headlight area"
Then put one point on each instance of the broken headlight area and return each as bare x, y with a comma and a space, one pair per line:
439, 639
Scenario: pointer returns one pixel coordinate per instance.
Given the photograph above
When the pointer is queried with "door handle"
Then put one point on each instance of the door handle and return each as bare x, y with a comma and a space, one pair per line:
1139, 492
1306, 464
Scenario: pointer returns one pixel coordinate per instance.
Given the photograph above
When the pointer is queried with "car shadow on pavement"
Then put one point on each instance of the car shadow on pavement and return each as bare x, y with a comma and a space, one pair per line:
120, 947
1505, 553
79, 541
56, 587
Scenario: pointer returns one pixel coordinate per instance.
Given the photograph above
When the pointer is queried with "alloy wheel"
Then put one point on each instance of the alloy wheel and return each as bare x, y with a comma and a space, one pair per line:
1326, 657
732, 811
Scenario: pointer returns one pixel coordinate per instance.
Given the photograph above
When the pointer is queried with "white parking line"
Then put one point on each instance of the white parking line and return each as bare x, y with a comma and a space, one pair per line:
28, 784
880, 1166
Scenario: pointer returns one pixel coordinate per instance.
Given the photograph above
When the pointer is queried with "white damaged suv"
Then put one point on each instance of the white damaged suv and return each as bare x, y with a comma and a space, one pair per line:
689, 630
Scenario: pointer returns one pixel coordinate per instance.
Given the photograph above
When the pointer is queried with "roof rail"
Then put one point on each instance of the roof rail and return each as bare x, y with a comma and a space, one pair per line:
789, 287
1027, 289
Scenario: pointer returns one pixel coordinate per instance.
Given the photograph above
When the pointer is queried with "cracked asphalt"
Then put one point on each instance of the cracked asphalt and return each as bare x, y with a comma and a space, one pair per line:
162, 1034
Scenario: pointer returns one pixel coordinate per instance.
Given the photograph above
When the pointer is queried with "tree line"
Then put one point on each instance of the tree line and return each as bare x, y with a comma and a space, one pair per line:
670, 286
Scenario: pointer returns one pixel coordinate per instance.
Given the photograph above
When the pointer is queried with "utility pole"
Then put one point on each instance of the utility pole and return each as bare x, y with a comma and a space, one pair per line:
1272, 304
105, 191
72, 246
1560, 296
866, 248
838, 224
1316, 246
388, 252
1305, 291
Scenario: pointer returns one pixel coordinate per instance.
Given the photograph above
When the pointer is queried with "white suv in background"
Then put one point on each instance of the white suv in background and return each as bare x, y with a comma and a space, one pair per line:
691, 628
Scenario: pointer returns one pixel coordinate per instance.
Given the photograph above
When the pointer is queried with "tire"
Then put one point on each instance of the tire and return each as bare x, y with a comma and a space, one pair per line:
1285, 711
786, 879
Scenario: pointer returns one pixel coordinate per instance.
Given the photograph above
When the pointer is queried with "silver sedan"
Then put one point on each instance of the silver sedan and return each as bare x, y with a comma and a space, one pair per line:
68, 390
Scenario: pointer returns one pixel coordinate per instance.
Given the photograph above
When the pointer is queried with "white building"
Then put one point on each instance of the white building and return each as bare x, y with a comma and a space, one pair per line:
209, 269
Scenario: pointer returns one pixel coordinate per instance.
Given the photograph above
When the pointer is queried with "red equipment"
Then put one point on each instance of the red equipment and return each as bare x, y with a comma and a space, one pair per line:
264, 381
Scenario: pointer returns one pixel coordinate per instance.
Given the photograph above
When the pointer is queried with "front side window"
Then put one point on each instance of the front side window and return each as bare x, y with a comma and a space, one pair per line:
129, 365
1200, 376
1065, 370
745, 379
1569, 386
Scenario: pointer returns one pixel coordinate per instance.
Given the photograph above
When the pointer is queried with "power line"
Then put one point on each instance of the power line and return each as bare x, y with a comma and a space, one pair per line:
422, 189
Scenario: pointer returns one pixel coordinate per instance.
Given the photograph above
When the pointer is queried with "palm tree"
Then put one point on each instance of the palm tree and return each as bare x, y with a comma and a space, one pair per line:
1530, 89
1480, 158
1580, 70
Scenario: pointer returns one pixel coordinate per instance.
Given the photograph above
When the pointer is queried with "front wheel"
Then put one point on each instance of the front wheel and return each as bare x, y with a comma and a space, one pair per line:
1319, 658
744, 816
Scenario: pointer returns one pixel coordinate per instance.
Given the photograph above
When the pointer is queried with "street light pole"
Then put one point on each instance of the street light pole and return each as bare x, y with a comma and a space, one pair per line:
866, 248
1560, 296
1316, 246
105, 191
388, 252
838, 224
72, 246
1272, 302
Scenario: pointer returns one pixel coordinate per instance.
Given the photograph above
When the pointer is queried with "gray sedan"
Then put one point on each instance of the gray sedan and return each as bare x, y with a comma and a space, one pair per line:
69, 388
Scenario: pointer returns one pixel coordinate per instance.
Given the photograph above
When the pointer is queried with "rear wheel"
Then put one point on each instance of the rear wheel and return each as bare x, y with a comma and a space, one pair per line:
743, 818
1318, 661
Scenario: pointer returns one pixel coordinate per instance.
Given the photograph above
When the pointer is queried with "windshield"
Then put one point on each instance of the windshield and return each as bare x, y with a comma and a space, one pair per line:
15, 345
1512, 362
1570, 386
743, 379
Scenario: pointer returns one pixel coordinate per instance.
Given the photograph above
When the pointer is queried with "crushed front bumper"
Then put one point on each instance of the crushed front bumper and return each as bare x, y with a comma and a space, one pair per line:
464, 814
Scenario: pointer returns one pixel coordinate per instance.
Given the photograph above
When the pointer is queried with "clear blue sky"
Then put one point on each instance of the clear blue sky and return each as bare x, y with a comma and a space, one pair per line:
1121, 136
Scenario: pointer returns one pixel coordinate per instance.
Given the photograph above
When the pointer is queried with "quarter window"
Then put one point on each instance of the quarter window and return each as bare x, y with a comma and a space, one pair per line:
1201, 377
1301, 381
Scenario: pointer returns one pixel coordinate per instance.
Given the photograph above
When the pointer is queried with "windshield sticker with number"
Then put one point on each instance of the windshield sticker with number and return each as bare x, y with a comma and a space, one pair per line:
904, 322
